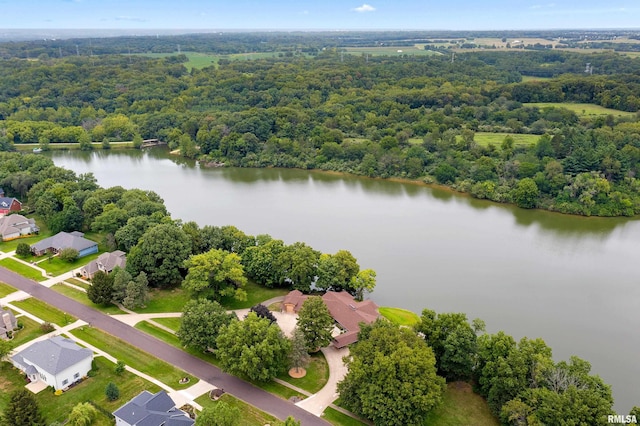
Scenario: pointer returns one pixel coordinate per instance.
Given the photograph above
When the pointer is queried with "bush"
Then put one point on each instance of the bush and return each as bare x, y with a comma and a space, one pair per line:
47, 327
23, 249
69, 255
112, 392
120, 367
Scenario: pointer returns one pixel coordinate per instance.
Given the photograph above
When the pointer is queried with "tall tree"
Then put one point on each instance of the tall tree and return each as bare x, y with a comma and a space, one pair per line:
253, 348
364, 281
160, 253
22, 410
315, 322
299, 262
82, 414
101, 290
299, 356
215, 274
201, 322
336, 271
391, 378
137, 292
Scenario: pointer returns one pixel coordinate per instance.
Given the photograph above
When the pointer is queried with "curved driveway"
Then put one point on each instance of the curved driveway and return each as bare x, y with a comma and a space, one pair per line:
245, 391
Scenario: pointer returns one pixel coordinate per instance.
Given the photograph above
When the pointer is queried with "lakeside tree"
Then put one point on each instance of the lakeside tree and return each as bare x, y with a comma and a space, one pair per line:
101, 290
391, 378
262, 263
453, 341
336, 271
253, 348
299, 264
201, 322
364, 281
160, 253
315, 322
22, 410
215, 274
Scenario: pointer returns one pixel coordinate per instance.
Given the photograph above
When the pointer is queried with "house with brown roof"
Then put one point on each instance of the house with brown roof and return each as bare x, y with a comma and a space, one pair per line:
345, 310
106, 263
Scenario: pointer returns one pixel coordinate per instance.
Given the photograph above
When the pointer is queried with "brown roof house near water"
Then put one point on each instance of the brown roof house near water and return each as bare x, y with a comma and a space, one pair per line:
344, 309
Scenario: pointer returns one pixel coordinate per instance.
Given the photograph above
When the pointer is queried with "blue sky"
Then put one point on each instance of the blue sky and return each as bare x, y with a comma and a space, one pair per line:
320, 14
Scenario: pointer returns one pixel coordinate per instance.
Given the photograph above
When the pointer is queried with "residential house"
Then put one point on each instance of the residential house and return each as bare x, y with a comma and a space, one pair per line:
345, 310
106, 262
63, 240
58, 362
15, 226
148, 409
8, 205
8, 323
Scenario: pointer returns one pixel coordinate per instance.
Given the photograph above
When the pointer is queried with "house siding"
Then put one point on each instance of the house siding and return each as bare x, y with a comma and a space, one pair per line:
88, 251
82, 368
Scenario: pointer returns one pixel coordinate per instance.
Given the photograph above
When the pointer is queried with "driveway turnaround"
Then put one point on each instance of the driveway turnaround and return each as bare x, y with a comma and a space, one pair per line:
245, 391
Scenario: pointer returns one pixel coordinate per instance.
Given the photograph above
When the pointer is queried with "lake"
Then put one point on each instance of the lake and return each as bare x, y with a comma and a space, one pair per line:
572, 281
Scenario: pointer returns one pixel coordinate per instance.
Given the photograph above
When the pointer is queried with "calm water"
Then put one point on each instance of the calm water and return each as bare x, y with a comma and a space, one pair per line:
572, 281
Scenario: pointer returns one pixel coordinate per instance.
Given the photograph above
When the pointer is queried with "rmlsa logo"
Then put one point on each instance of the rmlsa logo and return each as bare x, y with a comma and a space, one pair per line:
619, 418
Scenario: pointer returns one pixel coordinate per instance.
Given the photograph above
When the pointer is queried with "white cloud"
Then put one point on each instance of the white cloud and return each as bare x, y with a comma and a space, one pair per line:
365, 8
130, 18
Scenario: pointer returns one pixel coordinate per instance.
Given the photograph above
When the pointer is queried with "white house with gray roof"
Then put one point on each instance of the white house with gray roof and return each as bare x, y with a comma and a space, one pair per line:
16, 226
148, 409
63, 240
58, 362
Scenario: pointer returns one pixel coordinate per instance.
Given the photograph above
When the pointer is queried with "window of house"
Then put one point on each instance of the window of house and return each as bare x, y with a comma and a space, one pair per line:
77, 375
64, 382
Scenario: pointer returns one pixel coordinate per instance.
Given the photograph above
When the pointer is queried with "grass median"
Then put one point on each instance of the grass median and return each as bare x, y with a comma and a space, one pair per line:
134, 357
44, 312
22, 269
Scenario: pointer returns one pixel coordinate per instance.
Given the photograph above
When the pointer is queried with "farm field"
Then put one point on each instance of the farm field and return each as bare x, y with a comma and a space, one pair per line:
390, 51
583, 110
519, 139
199, 60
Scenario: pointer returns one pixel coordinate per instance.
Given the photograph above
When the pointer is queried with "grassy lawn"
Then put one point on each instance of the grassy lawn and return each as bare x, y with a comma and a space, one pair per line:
165, 301
6, 289
335, 417
57, 408
7, 246
277, 389
44, 311
56, 266
316, 377
460, 406
249, 415
159, 333
390, 51
255, 294
81, 297
134, 357
583, 110
29, 331
399, 316
528, 78
172, 323
77, 282
22, 269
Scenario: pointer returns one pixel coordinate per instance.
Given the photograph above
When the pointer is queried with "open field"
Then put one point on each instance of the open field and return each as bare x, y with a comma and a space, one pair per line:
519, 139
199, 60
6, 289
249, 415
134, 357
583, 110
22, 269
529, 78
390, 51
57, 408
399, 316
44, 312
460, 406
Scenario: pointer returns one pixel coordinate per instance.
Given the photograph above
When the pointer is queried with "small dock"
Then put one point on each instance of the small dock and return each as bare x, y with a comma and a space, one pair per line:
148, 143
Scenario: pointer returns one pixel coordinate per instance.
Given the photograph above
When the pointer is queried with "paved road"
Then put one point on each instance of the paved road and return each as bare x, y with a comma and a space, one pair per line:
192, 365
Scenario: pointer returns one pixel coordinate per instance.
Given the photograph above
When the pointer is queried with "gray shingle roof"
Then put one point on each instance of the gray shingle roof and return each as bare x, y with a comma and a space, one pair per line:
148, 409
16, 222
64, 240
53, 355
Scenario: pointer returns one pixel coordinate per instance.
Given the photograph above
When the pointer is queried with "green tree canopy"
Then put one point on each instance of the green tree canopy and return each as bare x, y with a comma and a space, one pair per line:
336, 271
160, 253
101, 290
391, 377
253, 348
315, 322
220, 414
22, 410
215, 274
201, 322
82, 414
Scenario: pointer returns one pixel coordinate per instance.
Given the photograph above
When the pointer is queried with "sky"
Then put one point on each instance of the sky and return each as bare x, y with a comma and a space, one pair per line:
320, 14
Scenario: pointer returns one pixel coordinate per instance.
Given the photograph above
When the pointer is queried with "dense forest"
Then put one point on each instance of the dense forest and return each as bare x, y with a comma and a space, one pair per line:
396, 374
312, 106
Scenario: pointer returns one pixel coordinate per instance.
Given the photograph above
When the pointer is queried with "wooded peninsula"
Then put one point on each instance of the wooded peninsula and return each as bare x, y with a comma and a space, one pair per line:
552, 126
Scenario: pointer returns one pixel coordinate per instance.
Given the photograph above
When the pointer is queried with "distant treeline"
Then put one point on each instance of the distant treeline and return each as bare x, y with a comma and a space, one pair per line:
409, 117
